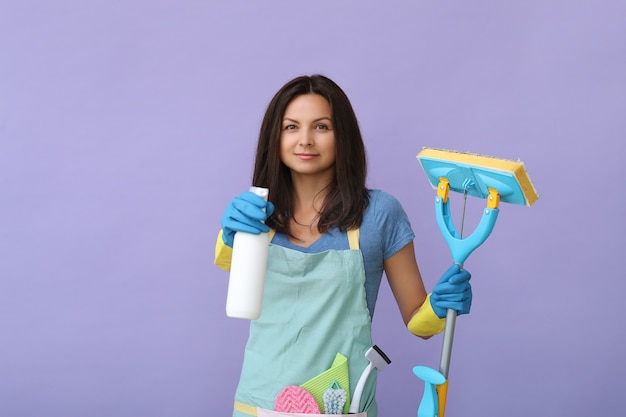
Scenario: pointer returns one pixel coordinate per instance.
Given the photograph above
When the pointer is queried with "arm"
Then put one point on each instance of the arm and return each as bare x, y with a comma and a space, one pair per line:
408, 289
405, 281
424, 314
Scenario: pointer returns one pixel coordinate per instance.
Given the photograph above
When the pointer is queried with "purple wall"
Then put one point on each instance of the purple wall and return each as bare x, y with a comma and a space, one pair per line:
125, 127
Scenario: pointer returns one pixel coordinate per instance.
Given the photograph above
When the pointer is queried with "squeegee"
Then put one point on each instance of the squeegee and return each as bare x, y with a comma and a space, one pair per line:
493, 179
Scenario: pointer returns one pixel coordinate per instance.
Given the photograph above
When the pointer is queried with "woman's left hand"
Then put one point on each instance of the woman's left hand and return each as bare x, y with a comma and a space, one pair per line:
453, 291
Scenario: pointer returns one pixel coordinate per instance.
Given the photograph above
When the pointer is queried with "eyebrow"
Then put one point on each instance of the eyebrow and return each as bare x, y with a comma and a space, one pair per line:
316, 120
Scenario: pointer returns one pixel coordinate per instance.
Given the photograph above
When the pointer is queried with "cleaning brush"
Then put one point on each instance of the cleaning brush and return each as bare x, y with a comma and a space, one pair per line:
335, 399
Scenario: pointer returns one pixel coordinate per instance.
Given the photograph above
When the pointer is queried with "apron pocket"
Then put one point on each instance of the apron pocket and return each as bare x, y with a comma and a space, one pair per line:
270, 413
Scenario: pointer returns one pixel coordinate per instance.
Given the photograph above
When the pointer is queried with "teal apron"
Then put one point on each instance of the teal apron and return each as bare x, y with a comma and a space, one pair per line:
313, 308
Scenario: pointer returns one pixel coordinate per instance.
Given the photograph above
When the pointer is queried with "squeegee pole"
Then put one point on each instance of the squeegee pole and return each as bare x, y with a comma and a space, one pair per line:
448, 338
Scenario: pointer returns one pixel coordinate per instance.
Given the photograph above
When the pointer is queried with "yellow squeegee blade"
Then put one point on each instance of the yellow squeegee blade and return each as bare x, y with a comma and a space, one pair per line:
508, 177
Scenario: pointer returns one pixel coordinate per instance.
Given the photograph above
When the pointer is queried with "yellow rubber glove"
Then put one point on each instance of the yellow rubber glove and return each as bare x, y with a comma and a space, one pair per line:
223, 253
425, 322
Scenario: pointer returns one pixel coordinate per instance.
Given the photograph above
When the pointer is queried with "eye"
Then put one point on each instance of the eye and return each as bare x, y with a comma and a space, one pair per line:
322, 126
290, 127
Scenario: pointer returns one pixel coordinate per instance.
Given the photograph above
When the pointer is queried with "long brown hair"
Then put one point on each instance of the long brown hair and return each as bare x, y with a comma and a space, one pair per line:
347, 197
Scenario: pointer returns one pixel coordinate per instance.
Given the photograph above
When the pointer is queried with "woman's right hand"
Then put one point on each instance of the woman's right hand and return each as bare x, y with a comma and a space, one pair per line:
245, 213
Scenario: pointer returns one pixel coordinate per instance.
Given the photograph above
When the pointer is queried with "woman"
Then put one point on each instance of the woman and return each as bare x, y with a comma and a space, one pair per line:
333, 240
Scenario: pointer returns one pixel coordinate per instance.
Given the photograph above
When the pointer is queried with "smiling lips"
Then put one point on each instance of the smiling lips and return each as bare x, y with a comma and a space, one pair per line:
306, 156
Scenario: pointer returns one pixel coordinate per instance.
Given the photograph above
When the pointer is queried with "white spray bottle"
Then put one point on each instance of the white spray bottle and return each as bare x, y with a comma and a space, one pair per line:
247, 271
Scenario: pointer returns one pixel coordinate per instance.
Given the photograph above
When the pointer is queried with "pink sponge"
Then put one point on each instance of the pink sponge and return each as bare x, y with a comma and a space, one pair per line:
295, 399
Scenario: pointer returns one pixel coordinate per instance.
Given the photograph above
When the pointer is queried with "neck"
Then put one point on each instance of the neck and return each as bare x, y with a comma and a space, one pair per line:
309, 197
310, 191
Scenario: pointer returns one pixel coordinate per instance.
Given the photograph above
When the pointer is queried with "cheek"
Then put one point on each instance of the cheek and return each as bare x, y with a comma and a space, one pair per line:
331, 146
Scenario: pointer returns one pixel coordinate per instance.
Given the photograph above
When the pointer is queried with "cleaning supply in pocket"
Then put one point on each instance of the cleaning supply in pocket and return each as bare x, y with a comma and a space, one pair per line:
335, 399
247, 271
337, 373
378, 360
294, 399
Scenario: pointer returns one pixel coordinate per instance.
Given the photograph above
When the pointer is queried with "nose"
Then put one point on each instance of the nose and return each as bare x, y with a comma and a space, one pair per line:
306, 138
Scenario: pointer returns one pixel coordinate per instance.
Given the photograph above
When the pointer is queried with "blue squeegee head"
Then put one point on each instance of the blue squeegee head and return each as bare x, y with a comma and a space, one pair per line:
477, 173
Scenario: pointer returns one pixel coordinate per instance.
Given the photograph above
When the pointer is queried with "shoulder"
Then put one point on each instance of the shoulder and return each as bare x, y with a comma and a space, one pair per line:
383, 202
386, 222
385, 212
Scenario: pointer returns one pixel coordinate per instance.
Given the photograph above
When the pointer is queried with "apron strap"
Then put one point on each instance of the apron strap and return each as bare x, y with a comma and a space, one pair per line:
353, 238
245, 408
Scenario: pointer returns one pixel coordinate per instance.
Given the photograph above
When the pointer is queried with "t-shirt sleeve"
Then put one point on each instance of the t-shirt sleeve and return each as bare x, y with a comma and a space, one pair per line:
395, 227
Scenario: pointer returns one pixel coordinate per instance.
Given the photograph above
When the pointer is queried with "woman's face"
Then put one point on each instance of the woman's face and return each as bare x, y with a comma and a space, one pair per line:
307, 139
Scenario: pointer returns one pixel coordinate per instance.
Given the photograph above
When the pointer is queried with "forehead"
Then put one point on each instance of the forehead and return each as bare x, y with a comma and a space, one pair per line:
308, 105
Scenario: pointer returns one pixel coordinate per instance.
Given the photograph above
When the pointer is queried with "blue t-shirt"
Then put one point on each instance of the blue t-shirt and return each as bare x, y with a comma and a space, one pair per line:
384, 231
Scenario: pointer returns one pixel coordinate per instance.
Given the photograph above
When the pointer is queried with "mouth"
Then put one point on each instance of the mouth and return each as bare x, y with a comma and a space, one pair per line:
306, 156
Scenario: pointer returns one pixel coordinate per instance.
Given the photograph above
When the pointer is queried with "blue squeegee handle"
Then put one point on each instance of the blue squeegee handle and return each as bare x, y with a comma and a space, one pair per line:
460, 249
448, 333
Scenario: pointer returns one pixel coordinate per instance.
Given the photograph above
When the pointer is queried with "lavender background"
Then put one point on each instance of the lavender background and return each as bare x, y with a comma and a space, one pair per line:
125, 128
